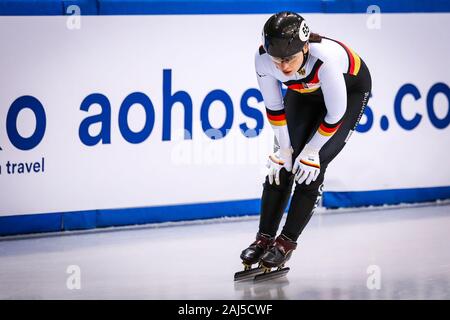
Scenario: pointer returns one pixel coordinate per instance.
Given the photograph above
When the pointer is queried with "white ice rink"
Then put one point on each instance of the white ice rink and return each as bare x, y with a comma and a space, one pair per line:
409, 246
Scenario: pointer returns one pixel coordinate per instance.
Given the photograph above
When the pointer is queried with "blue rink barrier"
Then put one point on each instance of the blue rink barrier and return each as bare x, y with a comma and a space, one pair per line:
49, 222
381, 197
127, 7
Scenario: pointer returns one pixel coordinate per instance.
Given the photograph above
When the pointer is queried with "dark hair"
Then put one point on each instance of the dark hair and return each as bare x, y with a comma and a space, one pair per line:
315, 37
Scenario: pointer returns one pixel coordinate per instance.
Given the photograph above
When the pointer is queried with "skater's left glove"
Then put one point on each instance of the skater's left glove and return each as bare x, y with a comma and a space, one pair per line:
307, 165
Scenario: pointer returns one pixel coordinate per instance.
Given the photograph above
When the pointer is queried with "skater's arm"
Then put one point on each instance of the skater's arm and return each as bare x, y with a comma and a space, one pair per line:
273, 101
335, 97
307, 165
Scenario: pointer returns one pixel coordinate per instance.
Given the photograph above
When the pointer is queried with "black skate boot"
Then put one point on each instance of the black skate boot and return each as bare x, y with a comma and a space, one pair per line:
275, 257
252, 255
254, 252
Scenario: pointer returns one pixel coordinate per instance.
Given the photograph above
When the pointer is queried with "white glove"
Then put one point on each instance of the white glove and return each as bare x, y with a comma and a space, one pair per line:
307, 165
280, 159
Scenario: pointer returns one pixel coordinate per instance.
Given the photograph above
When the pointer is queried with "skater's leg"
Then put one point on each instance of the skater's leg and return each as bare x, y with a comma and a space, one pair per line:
306, 197
304, 200
273, 203
303, 117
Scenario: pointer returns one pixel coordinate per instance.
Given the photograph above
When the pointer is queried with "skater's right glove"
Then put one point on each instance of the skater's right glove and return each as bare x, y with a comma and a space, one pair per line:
307, 165
278, 160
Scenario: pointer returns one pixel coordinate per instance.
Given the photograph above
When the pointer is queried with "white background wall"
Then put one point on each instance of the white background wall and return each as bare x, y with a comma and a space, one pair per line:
118, 55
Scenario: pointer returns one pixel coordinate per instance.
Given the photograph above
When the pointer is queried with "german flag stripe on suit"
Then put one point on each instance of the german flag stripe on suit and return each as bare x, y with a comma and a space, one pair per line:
312, 79
276, 118
354, 61
327, 129
310, 164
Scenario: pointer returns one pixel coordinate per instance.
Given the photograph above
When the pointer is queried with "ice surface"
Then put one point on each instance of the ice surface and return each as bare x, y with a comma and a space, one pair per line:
408, 246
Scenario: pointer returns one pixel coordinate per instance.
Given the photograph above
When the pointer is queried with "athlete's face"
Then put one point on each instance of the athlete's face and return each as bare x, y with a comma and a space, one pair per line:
290, 65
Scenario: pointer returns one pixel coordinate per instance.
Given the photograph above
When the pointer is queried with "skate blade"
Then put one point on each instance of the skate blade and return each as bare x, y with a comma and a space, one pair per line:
271, 275
247, 274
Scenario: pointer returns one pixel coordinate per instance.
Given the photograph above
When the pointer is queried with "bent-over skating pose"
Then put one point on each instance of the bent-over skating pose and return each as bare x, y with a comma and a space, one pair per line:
328, 88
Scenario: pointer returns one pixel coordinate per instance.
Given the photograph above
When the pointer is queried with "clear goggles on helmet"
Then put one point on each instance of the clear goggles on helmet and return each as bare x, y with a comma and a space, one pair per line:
286, 59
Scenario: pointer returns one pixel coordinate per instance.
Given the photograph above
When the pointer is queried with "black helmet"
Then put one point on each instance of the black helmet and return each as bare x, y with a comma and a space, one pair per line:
285, 34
